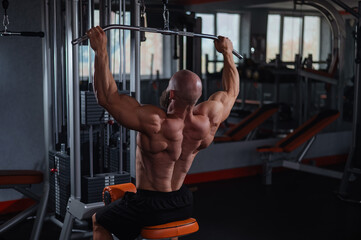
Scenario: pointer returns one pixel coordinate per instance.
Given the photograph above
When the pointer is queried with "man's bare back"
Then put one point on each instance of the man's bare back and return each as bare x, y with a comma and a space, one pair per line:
164, 158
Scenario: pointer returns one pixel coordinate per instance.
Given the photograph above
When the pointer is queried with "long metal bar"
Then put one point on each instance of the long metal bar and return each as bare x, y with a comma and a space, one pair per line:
76, 100
312, 169
317, 77
55, 72
155, 30
120, 42
69, 219
91, 160
90, 80
74, 107
38, 224
90, 20
347, 8
305, 149
134, 77
18, 218
121, 62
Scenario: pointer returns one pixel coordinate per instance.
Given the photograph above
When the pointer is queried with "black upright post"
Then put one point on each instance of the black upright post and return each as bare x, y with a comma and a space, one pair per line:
353, 164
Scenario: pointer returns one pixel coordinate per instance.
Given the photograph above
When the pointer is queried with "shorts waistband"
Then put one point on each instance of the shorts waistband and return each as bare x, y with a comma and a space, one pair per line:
149, 193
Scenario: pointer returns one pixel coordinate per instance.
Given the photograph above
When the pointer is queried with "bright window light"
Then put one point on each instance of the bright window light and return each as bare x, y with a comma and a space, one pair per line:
273, 36
292, 29
311, 38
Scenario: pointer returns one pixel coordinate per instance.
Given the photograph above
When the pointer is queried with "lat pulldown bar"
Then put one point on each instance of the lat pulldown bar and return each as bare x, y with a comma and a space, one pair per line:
155, 30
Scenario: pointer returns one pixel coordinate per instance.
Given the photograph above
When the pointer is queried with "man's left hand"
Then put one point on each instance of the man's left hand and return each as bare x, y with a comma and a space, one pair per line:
98, 39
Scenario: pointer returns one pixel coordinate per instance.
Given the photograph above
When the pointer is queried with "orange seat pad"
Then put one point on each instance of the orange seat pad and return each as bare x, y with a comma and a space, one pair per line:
14, 177
172, 229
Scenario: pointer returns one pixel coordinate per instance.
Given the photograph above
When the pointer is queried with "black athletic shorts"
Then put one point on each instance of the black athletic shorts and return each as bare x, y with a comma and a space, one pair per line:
125, 217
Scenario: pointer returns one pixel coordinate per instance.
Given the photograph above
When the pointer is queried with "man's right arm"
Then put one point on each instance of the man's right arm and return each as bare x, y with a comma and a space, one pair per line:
219, 105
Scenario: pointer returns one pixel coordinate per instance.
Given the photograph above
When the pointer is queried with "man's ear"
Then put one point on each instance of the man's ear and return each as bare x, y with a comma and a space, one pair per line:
171, 94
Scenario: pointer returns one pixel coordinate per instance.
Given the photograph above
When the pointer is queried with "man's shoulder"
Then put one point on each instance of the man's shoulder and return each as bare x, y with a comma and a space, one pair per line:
205, 107
149, 110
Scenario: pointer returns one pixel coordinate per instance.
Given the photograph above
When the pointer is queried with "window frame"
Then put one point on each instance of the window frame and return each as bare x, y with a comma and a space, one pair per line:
302, 16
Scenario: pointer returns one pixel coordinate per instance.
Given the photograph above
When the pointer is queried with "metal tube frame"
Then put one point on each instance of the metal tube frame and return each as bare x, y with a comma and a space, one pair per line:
74, 118
55, 71
349, 168
134, 76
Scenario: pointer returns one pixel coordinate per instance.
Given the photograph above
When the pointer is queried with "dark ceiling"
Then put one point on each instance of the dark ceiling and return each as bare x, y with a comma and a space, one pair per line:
236, 5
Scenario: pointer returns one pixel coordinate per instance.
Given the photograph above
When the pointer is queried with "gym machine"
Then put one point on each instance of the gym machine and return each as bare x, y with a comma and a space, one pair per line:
6, 22
86, 149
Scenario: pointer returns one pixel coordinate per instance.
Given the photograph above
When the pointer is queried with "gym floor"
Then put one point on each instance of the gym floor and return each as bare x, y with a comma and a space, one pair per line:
297, 206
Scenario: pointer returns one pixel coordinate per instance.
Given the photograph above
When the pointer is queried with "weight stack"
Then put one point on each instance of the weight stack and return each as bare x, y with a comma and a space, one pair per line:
59, 181
111, 158
92, 187
91, 112
84, 148
114, 159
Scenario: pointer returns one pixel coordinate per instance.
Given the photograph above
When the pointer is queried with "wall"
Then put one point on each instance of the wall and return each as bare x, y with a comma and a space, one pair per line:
21, 96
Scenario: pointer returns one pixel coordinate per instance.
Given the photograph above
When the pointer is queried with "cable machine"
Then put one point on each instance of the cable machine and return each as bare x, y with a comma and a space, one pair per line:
41, 206
350, 184
6, 22
87, 151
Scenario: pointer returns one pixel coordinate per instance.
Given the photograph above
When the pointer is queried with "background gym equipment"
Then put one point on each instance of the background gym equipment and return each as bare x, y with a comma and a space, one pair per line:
306, 133
349, 187
21, 181
6, 22
247, 127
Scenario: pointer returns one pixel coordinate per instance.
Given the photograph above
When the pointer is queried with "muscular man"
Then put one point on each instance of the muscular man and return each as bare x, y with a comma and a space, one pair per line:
167, 142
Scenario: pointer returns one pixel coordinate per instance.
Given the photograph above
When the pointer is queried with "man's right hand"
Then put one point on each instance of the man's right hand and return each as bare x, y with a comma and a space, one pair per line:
223, 45
98, 39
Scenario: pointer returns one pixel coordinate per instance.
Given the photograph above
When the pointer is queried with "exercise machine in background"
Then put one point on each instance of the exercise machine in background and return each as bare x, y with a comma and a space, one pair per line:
22, 180
6, 22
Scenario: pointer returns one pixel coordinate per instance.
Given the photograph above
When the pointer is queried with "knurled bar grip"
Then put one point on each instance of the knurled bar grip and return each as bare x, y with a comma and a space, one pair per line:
155, 30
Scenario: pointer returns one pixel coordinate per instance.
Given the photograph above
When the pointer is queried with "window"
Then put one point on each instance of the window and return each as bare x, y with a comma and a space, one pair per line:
116, 45
273, 36
228, 25
300, 35
311, 37
152, 54
115, 51
224, 24
291, 38
207, 45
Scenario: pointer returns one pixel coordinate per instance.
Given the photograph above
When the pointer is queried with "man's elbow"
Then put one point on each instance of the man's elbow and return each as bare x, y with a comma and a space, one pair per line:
233, 93
102, 101
237, 92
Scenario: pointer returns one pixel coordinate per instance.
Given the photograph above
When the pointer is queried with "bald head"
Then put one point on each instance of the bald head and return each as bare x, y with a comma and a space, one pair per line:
186, 85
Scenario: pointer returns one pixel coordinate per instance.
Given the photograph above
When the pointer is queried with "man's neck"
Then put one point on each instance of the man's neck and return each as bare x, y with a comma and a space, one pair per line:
179, 110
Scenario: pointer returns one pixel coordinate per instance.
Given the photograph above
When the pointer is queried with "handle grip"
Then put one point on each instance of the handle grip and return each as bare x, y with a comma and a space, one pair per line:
22, 34
32, 34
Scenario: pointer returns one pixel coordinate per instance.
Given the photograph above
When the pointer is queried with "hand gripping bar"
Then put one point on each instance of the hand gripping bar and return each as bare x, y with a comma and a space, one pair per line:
155, 30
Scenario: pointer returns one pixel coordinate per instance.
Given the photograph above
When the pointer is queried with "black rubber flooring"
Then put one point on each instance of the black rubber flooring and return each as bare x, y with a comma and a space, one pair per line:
297, 206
